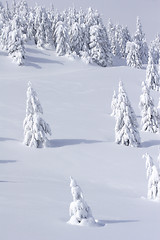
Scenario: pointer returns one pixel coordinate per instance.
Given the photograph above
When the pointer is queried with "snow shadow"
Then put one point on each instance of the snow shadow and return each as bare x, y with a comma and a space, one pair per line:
151, 143
43, 60
55, 143
7, 161
36, 51
7, 139
34, 62
3, 53
105, 222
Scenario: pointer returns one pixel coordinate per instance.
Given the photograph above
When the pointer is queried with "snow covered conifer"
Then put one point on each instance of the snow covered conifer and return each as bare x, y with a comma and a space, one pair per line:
153, 178
79, 211
61, 39
35, 128
98, 47
152, 76
15, 44
149, 165
153, 184
114, 104
133, 57
139, 39
150, 117
154, 49
126, 129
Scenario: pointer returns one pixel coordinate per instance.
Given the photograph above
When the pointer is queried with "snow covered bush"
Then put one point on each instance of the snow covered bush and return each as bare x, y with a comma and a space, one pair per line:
126, 129
150, 116
152, 76
79, 211
35, 128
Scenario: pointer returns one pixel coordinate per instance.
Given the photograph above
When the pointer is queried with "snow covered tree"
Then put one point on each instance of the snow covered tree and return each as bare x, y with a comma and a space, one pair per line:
150, 117
118, 37
126, 129
35, 128
139, 39
152, 76
79, 211
133, 58
153, 184
149, 165
154, 49
98, 47
14, 41
61, 39
114, 104
124, 37
75, 38
42, 27
153, 178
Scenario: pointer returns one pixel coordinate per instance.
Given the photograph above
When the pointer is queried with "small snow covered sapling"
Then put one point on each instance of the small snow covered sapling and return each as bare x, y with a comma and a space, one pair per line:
79, 211
35, 128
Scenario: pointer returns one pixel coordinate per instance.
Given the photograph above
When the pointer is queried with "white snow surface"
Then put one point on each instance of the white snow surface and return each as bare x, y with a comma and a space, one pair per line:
34, 183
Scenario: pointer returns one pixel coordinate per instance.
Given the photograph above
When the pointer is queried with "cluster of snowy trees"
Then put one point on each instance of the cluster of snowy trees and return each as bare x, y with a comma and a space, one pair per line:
153, 177
126, 129
72, 32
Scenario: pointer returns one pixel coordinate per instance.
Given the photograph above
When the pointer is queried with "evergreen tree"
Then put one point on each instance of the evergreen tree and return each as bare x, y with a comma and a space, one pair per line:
150, 118
139, 39
126, 129
154, 49
80, 212
15, 44
149, 165
75, 38
153, 178
2, 16
35, 128
133, 58
152, 76
153, 184
114, 104
98, 48
61, 36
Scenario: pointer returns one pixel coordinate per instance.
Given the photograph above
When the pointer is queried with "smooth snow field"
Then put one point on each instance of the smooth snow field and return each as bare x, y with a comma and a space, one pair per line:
34, 183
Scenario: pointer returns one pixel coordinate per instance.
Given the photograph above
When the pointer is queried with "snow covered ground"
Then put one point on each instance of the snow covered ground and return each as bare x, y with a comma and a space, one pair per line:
34, 183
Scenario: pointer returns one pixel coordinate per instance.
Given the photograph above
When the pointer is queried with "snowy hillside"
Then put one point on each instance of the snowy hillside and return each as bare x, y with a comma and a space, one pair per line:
34, 183
76, 98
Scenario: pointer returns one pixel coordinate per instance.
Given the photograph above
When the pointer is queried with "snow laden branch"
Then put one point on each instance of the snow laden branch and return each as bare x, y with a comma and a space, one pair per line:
35, 128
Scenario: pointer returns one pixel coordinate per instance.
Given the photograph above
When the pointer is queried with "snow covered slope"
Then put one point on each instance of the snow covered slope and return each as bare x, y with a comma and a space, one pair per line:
34, 183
